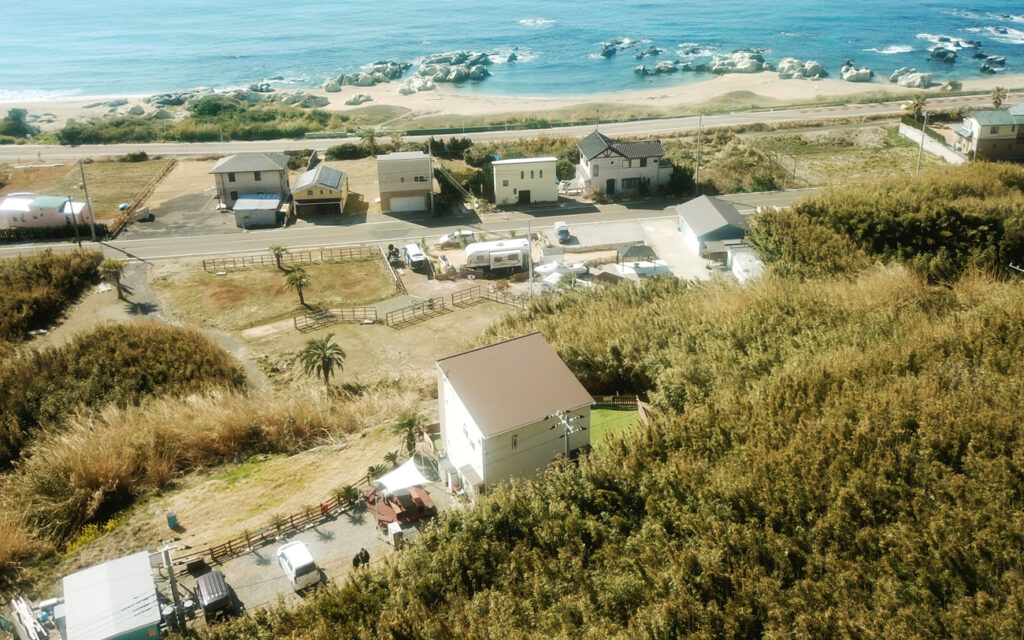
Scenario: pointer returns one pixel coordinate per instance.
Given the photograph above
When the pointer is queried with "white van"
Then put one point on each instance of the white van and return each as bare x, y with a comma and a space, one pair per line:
562, 232
414, 256
298, 565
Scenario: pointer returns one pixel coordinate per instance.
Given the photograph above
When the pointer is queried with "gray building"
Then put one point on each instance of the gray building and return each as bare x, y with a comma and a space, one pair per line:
250, 173
257, 210
703, 220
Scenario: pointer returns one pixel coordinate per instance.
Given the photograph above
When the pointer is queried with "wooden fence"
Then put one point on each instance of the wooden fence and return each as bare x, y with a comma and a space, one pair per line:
317, 318
395, 278
347, 254
472, 295
290, 258
415, 313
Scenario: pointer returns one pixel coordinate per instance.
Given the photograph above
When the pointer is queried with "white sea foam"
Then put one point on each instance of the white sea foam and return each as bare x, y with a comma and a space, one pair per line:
37, 95
501, 54
892, 49
700, 50
953, 43
537, 22
1006, 16
789, 34
1001, 34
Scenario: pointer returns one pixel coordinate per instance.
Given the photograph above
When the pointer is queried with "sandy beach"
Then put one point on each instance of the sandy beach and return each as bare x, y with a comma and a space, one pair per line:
731, 91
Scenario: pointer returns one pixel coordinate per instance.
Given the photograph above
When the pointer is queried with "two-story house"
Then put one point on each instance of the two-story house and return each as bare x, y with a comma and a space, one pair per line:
320, 190
250, 173
992, 134
611, 167
406, 182
525, 180
507, 410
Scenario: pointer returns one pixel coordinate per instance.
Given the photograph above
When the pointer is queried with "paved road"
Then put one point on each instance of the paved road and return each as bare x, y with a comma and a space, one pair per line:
16, 153
384, 230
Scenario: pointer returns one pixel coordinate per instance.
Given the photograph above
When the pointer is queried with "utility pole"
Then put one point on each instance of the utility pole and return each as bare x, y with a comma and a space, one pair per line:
88, 202
567, 425
179, 611
529, 253
74, 221
696, 171
920, 151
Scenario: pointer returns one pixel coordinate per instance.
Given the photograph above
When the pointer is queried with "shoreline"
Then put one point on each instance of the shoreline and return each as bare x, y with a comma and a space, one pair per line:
446, 102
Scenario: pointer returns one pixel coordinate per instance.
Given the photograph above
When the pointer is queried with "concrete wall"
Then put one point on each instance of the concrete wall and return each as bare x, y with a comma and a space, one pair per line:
246, 182
932, 146
536, 176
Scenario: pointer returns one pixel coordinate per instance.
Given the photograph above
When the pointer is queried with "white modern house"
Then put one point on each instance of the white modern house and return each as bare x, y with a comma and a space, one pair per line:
703, 220
116, 600
525, 180
611, 167
251, 173
30, 210
406, 182
507, 410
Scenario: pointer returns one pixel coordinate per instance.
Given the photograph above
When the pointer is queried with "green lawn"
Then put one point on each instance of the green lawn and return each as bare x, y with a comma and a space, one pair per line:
605, 422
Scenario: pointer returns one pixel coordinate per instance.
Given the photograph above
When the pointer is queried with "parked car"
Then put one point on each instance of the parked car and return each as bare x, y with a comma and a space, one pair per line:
562, 232
414, 256
454, 239
214, 595
298, 565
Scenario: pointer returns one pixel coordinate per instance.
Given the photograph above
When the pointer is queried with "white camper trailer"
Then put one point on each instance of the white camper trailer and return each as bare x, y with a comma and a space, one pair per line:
499, 254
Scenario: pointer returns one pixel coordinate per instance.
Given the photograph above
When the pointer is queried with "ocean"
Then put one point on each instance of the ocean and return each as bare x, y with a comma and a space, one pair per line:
63, 49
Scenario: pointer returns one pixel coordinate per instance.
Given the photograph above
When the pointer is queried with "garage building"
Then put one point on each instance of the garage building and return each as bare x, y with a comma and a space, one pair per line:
320, 191
257, 210
406, 182
525, 180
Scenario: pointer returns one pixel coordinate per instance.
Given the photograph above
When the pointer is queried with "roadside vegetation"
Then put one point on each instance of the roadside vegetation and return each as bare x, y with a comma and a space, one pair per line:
827, 455
37, 288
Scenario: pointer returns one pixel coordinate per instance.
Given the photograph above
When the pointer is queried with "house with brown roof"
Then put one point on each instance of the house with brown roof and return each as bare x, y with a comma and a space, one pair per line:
506, 411
611, 167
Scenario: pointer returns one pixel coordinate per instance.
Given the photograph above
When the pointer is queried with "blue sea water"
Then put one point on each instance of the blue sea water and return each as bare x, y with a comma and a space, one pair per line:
66, 49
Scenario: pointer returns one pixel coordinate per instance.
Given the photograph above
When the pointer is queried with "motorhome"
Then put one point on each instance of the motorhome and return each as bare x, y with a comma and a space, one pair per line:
511, 254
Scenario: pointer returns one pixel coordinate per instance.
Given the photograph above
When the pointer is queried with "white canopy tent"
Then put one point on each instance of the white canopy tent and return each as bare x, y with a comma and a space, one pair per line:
403, 477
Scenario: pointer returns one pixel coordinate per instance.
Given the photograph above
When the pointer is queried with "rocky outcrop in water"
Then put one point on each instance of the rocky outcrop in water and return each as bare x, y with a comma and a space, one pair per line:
458, 66
944, 55
851, 73
662, 68
261, 87
649, 51
377, 73
738, 62
794, 68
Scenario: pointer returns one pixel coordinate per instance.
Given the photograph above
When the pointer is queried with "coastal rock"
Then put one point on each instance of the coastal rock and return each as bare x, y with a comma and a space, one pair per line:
851, 73
93, 105
988, 70
664, 67
899, 73
293, 98
980, 56
313, 102
972, 43
458, 66
916, 80
261, 87
649, 51
512, 57
478, 72
944, 55
995, 61
249, 96
615, 45
790, 68
136, 110
951, 85
331, 86
738, 62
416, 84
162, 114
358, 99
814, 69
120, 102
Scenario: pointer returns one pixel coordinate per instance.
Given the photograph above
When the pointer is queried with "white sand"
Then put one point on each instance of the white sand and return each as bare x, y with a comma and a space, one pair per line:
765, 89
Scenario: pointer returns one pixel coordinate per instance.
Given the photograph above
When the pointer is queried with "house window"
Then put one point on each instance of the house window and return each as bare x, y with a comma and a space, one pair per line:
630, 183
309, 192
465, 432
234, 195
402, 179
626, 164
515, 442
531, 174
541, 173
257, 176
504, 183
522, 175
994, 130
419, 178
643, 162
231, 177
596, 172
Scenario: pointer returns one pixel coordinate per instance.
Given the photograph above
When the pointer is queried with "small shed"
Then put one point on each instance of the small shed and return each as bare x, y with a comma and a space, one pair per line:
257, 210
320, 191
705, 219
636, 253
116, 600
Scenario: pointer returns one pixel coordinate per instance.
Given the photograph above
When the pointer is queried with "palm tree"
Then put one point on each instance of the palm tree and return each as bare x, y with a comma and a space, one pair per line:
369, 137
391, 457
112, 270
408, 426
320, 357
998, 96
916, 106
278, 250
298, 280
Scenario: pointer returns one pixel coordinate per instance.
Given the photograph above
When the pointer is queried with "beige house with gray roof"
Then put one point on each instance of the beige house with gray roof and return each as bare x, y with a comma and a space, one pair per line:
250, 173
993, 134
508, 410
320, 191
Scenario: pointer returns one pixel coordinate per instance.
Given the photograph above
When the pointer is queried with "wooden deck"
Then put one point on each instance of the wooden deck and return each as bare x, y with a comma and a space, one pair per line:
403, 507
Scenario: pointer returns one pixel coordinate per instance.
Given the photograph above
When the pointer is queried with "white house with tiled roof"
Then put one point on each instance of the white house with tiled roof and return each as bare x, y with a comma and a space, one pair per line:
611, 167
508, 410
250, 173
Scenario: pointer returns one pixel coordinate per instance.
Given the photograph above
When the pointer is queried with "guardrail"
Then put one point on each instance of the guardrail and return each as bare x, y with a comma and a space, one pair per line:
415, 313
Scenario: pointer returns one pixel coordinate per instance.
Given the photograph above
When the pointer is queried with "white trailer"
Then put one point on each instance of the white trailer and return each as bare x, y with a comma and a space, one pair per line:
498, 254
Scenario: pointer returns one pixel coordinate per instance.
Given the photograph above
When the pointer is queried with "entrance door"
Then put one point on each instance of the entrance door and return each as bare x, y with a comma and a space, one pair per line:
524, 196
610, 186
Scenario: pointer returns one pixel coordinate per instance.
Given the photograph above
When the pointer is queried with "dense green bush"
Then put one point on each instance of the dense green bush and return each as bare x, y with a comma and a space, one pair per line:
115, 363
941, 222
347, 152
828, 459
38, 287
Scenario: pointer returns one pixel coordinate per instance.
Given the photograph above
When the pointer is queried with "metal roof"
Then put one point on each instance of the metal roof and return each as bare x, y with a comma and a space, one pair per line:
257, 201
596, 143
251, 162
402, 155
636, 252
513, 383
994, 118
526, 160
1017, 110
111, 599
320, 175
704, 215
